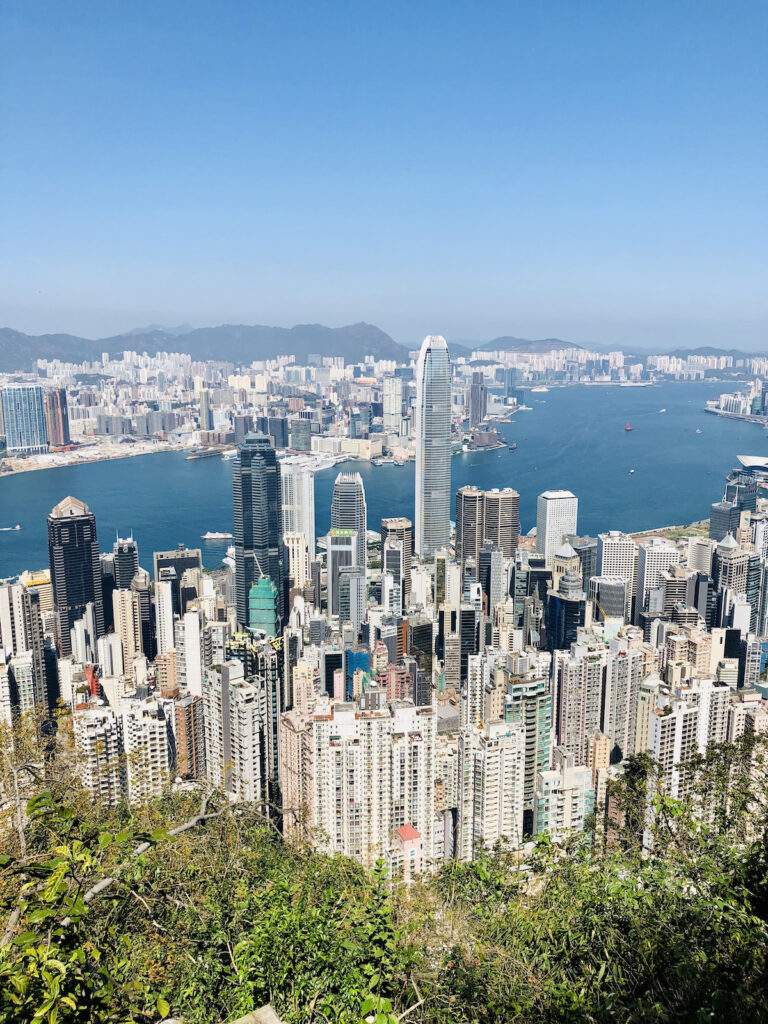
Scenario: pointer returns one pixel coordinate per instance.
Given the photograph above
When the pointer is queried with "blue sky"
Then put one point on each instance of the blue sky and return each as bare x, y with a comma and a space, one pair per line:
593, 170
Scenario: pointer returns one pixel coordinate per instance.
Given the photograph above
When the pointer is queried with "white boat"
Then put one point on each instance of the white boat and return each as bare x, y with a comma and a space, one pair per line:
231, 453
216, 536
697, 430
662, 410
631, 471
10, 529
539, 390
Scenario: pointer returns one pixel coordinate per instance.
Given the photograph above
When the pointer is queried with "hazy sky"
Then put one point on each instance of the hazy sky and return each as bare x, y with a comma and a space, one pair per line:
592, 170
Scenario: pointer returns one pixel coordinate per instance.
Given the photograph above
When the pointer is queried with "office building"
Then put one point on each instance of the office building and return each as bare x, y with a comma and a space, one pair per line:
433, 447
170, 566
57, 417
392, 402
477, 399
342, 552
24, 416
349, 511
556, 520
297, 494
653, 557
125, 562
258, 521
501, 519
400, 528
617, 558
206, 412
470, 523
73, 555
298, 559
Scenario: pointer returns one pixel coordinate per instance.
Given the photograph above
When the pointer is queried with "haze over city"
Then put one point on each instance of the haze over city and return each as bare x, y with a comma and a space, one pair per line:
591, 172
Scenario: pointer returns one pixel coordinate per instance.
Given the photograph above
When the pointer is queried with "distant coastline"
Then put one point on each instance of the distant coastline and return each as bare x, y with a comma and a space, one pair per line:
104, 453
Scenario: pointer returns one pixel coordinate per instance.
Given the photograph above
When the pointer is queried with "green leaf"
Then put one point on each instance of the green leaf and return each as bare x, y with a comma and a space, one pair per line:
163, 1007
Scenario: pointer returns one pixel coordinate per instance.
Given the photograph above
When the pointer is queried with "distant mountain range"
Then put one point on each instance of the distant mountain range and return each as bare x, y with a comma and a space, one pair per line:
237, 343
708, 350
509, 344
241, 343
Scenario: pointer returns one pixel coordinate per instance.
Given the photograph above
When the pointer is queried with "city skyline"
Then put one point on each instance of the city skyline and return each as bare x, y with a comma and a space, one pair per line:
352, 666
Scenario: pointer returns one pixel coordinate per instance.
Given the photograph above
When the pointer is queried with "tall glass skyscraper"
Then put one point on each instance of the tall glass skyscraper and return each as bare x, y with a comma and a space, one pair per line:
433, 446
24, 415
258, 521
73, 555
349, 510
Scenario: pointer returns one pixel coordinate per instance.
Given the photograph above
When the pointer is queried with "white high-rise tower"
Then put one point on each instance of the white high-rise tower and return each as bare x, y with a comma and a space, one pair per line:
556, 515
433, 447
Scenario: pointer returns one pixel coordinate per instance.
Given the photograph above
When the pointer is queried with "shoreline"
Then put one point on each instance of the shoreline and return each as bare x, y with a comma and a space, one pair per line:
130, 452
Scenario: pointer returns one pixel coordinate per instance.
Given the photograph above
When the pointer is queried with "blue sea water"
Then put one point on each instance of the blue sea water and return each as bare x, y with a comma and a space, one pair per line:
572, 438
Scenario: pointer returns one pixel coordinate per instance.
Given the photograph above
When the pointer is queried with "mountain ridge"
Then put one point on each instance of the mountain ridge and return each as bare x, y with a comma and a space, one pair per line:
226, 342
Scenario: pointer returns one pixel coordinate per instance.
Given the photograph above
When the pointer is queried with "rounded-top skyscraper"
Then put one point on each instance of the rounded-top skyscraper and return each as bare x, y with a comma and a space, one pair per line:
433, 446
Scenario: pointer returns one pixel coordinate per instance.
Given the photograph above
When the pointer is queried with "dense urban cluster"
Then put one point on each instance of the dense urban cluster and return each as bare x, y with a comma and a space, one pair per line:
412, 690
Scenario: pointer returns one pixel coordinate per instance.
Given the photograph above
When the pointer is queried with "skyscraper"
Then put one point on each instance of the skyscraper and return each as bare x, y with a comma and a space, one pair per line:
402, 529
342, 548
502, 519
206, 413
556, 514
349, 510
24, 416
653, 557
392, 401
57, 417
73, 554
433, 446
126, 562
170, 566
470, 523
258, 521
297, 493
617, 557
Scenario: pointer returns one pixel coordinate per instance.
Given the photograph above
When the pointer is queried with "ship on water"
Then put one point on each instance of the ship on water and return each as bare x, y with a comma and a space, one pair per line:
627, 426
211, 535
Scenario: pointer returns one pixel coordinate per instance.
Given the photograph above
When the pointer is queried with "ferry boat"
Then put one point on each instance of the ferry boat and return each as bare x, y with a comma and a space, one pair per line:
10, 529
627, 426
211, 535
231, 453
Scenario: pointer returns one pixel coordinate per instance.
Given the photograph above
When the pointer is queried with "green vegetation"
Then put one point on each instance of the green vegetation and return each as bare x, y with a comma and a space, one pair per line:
223, 916
697, 529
